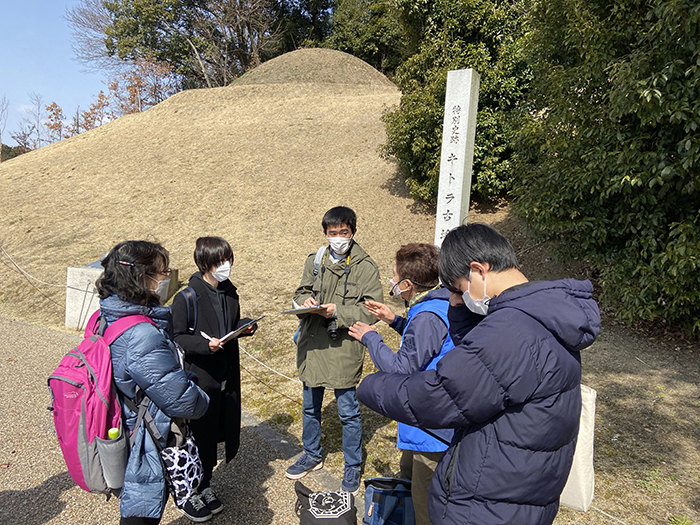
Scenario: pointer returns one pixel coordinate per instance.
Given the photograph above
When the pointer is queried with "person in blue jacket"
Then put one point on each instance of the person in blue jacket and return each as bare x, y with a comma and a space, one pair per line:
510, 389
144, 358
425, 340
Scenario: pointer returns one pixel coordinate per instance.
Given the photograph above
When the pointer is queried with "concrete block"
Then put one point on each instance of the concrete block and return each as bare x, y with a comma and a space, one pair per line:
81, 296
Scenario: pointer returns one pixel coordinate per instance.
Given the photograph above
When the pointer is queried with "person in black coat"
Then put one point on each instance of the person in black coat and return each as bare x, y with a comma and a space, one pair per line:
216, 364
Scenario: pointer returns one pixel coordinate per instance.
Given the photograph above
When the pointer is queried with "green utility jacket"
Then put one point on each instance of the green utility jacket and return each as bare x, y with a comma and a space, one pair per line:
322, 361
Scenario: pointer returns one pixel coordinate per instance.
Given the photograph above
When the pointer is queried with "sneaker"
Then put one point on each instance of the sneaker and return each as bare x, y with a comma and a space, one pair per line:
213, 503
303, 466
351, 481
196, 509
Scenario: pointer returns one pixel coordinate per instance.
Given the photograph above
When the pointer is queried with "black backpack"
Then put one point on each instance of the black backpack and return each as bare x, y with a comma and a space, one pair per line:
191, 302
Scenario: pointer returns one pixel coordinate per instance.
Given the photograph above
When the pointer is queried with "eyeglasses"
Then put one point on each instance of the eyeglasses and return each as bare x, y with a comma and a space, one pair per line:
167, 271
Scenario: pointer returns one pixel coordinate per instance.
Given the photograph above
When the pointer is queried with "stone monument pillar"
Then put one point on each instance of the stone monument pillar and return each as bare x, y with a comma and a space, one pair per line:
457, 153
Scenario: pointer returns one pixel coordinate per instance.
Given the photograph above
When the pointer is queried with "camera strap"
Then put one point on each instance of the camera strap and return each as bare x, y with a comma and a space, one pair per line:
323, 271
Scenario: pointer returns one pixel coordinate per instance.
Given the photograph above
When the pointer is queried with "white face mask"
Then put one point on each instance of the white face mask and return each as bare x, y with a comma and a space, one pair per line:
162, 289
395, 290
480, 306
222, 272
340, 245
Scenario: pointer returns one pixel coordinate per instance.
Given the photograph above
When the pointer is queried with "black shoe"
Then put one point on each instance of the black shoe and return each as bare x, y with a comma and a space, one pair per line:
195, 509
213, 503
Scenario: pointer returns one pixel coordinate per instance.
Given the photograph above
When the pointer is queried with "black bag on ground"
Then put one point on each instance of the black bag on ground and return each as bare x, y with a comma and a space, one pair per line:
324, 508
388, 501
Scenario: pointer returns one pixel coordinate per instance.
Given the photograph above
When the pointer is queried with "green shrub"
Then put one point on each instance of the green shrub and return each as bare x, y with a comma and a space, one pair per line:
609, 153
457, 34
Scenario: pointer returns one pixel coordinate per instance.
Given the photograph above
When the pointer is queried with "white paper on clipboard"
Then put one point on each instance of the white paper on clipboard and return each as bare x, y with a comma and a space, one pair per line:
240, 330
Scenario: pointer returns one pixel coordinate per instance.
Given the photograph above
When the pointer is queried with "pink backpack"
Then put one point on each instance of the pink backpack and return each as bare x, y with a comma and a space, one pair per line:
85, 407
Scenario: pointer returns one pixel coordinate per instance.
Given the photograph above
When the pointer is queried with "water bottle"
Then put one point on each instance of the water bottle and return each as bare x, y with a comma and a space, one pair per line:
113, 433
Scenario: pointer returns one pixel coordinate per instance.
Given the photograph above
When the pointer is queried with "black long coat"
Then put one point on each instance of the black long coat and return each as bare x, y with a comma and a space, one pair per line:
222, 422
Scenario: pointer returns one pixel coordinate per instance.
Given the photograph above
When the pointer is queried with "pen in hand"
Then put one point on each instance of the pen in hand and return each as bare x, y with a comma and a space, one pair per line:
209, 338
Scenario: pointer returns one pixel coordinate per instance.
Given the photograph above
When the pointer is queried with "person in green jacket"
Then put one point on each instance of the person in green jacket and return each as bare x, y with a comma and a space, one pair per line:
340, 278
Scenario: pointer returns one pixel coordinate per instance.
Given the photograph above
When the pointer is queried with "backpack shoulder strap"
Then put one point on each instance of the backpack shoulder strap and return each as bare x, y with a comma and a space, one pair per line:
121, 325
143, 415
92, 326
319, 259
191, 302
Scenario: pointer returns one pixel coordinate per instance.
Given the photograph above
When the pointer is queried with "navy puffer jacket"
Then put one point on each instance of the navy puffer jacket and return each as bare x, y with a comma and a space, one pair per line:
510, 389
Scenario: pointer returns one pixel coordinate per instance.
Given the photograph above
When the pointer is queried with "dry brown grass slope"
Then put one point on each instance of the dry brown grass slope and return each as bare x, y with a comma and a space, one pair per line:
257, 163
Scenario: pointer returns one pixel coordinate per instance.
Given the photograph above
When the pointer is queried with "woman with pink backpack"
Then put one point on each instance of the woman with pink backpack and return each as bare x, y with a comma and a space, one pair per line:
145, 359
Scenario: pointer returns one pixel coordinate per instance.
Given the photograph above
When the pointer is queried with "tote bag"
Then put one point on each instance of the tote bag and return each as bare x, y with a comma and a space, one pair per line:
578, 491
324, 508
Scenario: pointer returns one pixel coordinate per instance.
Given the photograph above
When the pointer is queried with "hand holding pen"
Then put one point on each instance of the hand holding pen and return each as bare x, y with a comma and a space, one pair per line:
329, 308
214, 343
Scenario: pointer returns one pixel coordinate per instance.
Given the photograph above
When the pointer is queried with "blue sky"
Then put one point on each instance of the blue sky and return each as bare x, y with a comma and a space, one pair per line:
37, 58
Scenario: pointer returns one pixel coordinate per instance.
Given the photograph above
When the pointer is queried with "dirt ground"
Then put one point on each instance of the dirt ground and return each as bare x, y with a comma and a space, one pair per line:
259, 163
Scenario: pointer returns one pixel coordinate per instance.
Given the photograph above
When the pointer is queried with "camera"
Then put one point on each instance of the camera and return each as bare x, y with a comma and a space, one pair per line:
332, 328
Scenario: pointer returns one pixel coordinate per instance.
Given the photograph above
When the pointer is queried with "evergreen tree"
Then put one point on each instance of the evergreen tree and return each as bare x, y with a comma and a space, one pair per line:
609, 148
457, 34
369, 30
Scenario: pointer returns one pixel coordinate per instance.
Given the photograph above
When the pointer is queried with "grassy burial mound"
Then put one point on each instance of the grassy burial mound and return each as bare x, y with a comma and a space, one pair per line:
258, 163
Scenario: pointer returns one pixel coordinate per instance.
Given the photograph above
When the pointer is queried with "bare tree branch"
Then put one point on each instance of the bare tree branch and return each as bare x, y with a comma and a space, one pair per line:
4, 104
88, 21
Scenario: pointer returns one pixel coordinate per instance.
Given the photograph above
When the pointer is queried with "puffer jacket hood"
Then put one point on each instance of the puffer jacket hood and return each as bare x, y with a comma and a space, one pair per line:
438, 293
565, 307
113, 308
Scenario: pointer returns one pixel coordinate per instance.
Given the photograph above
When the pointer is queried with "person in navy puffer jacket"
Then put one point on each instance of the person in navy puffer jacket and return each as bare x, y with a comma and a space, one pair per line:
135, 279
509, 388
424, 341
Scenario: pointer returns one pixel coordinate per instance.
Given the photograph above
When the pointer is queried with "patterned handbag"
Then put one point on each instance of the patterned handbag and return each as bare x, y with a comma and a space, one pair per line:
183, 467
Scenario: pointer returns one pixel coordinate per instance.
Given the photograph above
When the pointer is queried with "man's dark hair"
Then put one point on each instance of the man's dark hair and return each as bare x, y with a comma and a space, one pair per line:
125, 269
473, 243
339, 215
211, 251
418, 262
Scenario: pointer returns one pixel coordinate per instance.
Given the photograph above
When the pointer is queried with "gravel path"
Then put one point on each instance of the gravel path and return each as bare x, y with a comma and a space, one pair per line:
35, 487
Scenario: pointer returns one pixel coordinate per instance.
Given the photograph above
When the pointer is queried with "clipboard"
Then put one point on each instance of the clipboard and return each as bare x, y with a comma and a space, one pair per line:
307, 310
240, 330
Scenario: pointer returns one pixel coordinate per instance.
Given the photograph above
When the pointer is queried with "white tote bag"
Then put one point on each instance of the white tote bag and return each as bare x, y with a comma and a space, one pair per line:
578, 492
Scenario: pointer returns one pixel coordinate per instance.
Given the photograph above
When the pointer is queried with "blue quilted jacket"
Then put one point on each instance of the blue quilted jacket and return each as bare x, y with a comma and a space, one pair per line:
144, 356
510, 389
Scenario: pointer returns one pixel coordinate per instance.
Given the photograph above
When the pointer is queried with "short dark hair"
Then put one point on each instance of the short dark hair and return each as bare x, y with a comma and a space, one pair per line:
339, 215
126, 267
469, 243
418, 262
211, 251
